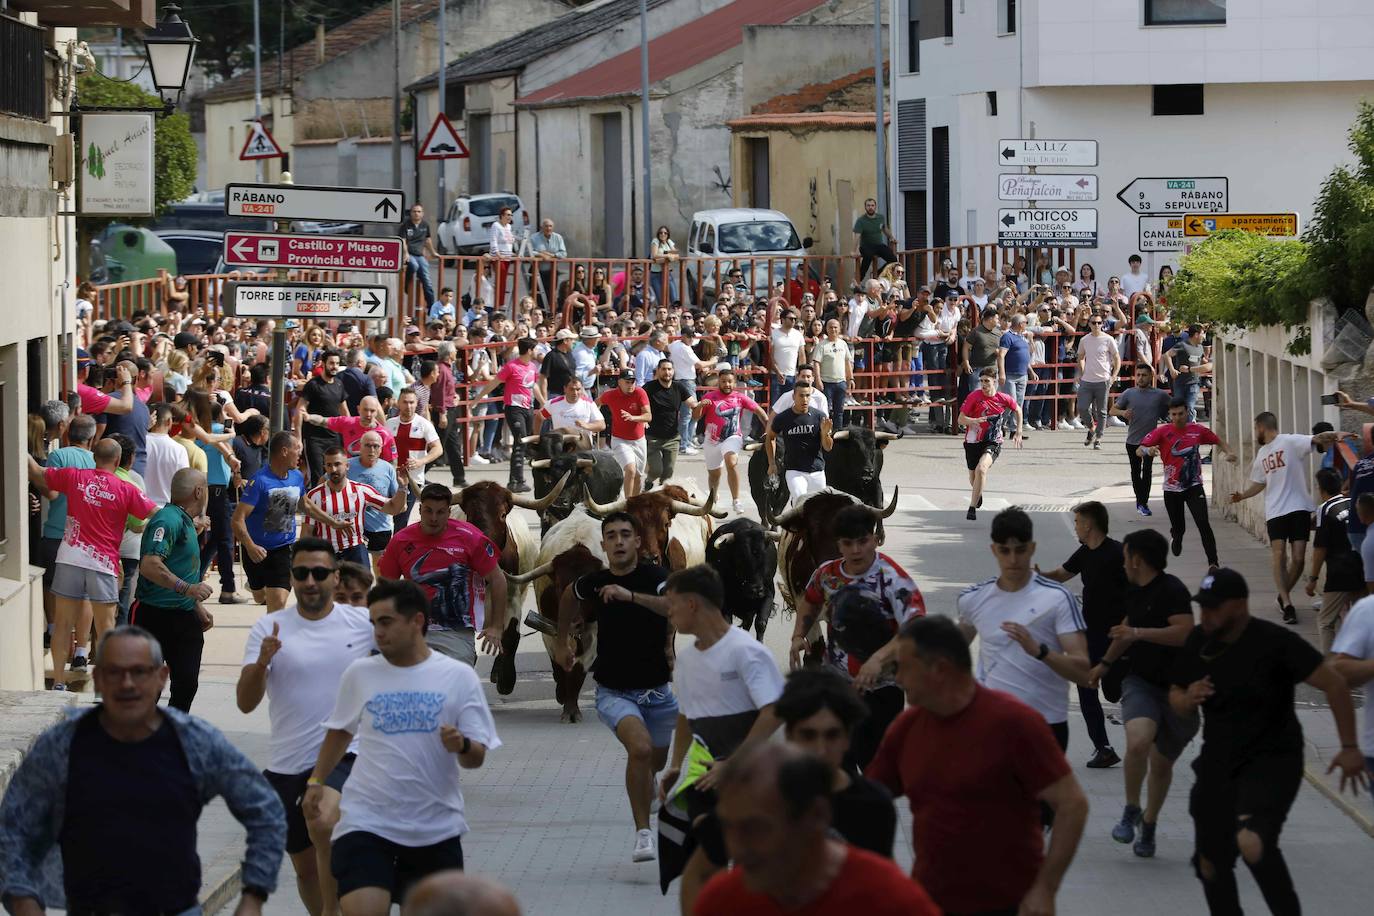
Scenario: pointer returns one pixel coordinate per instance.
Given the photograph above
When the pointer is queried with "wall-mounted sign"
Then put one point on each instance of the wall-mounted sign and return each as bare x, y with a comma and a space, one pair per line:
116, 156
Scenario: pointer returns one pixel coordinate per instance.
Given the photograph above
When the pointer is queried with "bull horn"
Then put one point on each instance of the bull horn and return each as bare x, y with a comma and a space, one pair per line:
842, 434
891, 506
597, 510
539, 505
880, 435
527, 577
585, 463
773, 536
753, 446
572, 437
541, 463
711, 501
788, 516
530, 440
725, 538
686, 508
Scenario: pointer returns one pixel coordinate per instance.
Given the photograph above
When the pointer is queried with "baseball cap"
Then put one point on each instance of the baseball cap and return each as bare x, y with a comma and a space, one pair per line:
82, 357
952, 294
564, 334
1223, 585
185, 339
411, 329
626, 373
590, 331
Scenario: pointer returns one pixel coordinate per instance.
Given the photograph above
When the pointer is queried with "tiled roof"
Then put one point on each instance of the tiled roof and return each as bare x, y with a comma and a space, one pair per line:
830, 120
338, 41
672, 52
515, 52
851, 92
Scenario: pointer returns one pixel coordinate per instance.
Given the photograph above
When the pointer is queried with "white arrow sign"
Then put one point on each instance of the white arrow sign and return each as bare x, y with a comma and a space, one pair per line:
1175, 195
1046, 188
1160, 233
307, 300
294, 201
1061, 227
1046, 152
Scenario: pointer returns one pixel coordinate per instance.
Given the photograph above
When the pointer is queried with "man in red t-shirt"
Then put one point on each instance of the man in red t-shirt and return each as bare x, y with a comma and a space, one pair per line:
982, 417
774, 809
975, 764
370, 419
630, 414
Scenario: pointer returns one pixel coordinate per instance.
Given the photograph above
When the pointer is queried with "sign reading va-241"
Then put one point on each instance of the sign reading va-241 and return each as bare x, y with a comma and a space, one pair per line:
306, 300
313, 252
1162, 196
294, 201
1060, 227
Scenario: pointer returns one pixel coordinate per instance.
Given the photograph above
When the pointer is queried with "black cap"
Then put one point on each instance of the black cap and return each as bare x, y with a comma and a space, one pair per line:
185, 339
626, 374
1223, 585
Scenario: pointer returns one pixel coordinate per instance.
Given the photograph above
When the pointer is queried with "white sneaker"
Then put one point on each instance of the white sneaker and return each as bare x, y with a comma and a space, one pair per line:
1077, 424
644, 846
691, 450
478, 459
738, 507
1116, 421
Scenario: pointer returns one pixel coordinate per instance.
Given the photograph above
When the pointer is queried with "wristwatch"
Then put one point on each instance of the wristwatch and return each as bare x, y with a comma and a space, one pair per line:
467, 745
1044, 651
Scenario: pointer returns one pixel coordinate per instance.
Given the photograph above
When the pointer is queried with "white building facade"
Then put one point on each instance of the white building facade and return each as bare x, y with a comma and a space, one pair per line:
1260, 92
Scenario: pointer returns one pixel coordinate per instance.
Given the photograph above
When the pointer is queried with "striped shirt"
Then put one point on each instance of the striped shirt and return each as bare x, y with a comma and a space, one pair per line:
345, 504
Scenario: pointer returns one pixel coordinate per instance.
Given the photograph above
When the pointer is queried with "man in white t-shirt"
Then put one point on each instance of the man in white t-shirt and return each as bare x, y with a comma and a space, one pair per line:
1099, 361
784, 346
165, 456
1353, 659
1031, 633
685, 369
1281, 473
1134, 280
413, 711
574, 412
295, 657
726, 684
417, 445
816, 398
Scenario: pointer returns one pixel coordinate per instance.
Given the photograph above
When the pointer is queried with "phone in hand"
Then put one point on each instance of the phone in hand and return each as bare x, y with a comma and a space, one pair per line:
1330, 400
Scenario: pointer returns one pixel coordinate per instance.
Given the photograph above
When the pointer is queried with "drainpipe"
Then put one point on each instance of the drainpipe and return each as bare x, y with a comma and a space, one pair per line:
538, 179
634, 206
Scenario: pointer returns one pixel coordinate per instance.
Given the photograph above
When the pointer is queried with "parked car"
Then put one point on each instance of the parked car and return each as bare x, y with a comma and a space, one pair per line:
466, 229
745, 238
207, 216
319, 227
198, 250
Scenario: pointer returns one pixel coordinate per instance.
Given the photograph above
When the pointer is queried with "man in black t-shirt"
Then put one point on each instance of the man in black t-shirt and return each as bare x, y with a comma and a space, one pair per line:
1345, 582
1098, 561
1242, 672
819, 710
806, 437
558, 365
1158, 618
324, 397
666, 397
633, 695
419, 249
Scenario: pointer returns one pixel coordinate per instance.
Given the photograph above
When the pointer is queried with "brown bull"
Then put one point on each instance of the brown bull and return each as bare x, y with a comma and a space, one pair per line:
653, 513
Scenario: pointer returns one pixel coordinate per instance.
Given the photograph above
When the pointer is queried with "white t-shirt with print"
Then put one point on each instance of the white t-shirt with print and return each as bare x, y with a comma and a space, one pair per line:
564, 414
1356, 639
303, 677
1048, 611
404, 785
422, 433
1280, 467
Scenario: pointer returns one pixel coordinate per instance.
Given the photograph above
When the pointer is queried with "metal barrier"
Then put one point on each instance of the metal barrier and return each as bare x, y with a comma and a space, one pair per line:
120, 300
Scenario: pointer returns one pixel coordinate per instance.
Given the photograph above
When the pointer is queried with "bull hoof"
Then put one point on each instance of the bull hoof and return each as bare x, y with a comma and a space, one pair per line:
503, 673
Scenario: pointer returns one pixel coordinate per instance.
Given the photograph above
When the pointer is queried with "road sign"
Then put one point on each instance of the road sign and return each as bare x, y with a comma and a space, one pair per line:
1046, 152
1046, 188
442, 141
259, 143
307, 300
294, 201
313, 252
1280, 225
1161, 196
1160, 233
1060, 227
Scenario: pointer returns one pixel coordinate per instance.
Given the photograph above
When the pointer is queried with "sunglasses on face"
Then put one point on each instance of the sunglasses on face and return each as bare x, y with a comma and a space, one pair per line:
320, 573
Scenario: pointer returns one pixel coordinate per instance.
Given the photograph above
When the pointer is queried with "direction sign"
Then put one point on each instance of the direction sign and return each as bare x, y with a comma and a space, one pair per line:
259, 144
1175, 195
442, 141
1046, 188
1160, 233
307, 300
295, 201
1280, 225
1046, 152
1061, 227
313, 252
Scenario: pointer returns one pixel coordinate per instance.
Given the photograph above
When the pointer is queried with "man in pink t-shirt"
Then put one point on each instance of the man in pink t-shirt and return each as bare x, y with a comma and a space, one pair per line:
88, 567
724, 411
370, 419
518, 375
93, 400
982, 416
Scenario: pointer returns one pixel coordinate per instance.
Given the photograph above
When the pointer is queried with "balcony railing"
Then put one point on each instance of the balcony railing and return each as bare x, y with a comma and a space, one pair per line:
23, 90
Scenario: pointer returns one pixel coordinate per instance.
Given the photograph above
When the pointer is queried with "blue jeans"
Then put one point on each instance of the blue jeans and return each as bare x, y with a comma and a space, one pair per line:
126, 594
1015, 385
835, 393
220, 544
685, 426
655, 707
935, 358
417, 265
1356, 539
656, 279
355, 554
1037, 409
778, 385
1187, 388
489, 427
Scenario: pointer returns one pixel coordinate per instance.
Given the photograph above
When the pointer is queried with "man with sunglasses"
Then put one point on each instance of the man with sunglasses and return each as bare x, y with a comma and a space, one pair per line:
805, 433
1099, 361
295, 658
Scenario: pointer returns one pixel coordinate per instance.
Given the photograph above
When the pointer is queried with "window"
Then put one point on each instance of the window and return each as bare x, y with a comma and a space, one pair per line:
949, 18
1185, 12
1006, 17
992, 104
1178, 99
913, 36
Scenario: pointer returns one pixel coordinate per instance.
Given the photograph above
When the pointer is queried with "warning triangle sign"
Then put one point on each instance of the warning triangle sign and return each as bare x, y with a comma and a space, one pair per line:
259, 143
442, 141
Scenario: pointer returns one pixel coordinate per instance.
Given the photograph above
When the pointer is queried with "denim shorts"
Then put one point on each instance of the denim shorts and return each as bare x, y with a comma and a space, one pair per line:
656, 708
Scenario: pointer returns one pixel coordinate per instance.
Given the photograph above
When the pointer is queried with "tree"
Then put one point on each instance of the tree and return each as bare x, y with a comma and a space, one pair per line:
225, 29
174, 152
1341, 234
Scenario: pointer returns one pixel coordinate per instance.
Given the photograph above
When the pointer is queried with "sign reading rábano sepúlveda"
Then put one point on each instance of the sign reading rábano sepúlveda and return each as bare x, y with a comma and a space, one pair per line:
116, 155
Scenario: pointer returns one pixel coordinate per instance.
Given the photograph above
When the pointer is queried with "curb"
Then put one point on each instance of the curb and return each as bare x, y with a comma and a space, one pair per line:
1361, 818
221, 892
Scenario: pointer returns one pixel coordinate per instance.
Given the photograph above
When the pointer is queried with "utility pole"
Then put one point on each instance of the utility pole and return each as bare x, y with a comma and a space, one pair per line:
644, 122
878, 104
396, 93
441, 164
257, 72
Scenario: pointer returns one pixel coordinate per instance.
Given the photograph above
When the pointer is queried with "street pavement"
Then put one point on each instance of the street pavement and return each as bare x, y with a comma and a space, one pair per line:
548, 811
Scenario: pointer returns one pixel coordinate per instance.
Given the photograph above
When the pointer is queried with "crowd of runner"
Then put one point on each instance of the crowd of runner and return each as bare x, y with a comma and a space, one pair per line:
162, 472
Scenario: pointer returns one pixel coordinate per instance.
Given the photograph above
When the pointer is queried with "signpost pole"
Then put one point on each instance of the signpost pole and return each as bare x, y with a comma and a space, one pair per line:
257, 72
278, 358
879, 127
443, 108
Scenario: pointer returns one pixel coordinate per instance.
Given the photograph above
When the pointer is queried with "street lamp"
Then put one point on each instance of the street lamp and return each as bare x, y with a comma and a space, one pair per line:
171, 47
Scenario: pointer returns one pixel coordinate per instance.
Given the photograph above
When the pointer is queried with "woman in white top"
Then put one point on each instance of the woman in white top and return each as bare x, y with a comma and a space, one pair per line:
836, 362
503, 250
664, 252
1087, 280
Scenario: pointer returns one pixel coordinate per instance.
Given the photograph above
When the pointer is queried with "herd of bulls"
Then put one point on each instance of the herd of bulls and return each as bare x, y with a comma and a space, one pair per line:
575, 487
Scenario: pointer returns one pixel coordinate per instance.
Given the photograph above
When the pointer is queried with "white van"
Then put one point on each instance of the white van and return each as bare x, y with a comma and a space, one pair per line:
745, 238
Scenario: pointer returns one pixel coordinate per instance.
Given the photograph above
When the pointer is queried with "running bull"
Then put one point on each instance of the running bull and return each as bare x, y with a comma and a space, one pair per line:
853, 465
594, 473
746, 556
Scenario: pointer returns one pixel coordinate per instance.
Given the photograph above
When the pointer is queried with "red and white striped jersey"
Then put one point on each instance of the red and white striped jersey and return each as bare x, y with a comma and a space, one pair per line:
345, 504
